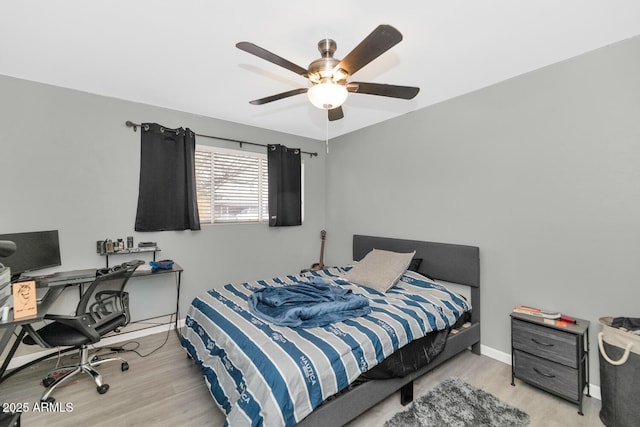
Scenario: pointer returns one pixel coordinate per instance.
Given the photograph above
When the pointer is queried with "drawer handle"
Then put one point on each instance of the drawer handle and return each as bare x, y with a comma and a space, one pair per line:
543, 374
541, 343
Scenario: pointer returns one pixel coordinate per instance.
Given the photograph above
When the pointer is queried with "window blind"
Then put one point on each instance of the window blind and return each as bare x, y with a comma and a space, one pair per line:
203, 185
231, 186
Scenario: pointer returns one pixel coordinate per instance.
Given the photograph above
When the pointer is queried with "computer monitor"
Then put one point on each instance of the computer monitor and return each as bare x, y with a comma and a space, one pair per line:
34, 251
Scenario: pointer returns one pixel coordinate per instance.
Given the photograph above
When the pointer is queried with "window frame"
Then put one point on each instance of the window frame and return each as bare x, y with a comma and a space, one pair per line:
263, 182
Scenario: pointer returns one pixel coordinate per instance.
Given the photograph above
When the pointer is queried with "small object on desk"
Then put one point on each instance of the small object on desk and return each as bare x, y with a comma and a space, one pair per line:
147, 244
165, 264
568, 319
24, 299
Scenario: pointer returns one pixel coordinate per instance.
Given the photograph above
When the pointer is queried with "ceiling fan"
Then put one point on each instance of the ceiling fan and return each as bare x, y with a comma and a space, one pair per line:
328, 75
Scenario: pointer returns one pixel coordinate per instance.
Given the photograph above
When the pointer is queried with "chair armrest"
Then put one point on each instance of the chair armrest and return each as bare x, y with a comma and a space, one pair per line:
82, 324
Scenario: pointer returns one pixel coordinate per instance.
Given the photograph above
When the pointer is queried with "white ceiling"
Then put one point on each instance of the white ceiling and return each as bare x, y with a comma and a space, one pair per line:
182, 55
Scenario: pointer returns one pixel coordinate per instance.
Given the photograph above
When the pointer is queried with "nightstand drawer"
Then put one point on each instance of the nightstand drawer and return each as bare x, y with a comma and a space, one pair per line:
554, 377
548, 343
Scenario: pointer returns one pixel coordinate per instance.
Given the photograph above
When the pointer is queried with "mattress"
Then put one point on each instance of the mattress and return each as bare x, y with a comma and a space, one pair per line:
262, 374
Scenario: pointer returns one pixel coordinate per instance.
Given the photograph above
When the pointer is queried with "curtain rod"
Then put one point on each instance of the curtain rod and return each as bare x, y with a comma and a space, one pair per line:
135, 127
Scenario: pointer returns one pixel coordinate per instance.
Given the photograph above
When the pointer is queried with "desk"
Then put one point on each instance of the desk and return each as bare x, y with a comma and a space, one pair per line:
55, 290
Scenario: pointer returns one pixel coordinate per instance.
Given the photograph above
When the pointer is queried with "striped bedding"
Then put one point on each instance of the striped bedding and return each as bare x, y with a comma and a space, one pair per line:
262, 374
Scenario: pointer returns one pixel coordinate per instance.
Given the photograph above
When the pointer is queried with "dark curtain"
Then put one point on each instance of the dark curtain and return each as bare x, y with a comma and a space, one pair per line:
167, 197
285, 187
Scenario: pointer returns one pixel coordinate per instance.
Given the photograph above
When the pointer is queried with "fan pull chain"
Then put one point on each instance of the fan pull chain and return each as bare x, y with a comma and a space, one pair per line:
326, 140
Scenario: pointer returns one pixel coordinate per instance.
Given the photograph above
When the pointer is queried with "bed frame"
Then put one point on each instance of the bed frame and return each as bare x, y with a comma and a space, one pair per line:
440, 261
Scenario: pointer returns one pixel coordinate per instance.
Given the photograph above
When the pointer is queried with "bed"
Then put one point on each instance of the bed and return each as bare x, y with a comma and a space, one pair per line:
263, 374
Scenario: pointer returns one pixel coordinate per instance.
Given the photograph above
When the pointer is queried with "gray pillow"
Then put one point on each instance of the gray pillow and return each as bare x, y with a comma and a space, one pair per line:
379, 269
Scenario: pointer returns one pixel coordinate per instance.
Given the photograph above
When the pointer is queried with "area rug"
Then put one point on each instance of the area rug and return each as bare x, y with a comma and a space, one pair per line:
456, 403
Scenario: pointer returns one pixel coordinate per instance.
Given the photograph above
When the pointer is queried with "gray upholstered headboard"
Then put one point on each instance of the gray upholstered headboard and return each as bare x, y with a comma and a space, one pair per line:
443, 261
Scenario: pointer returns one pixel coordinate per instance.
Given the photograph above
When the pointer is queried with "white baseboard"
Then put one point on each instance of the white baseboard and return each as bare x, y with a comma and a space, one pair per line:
503, 357
496, 354
108, 341
594, 391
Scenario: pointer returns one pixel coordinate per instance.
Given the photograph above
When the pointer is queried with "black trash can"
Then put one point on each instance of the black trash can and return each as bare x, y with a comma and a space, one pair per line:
619, 373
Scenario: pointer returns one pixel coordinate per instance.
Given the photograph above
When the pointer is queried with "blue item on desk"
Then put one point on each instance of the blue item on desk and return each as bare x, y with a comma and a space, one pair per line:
165, 264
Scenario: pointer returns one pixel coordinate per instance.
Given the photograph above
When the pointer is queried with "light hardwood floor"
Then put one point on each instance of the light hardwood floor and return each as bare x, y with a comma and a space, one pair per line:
166, 389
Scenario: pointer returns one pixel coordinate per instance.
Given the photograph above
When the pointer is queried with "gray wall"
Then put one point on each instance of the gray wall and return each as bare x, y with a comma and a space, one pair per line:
68, 162
542, 172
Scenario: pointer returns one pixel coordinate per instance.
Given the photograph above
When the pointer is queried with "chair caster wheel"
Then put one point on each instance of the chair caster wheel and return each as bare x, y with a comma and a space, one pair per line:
124, 366
102, 389
48, 400
48, 381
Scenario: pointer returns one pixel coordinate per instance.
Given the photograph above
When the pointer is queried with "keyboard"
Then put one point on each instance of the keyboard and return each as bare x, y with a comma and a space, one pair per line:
70, 277
73, 275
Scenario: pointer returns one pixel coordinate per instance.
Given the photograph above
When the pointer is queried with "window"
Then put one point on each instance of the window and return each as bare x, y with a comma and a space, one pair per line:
232, 185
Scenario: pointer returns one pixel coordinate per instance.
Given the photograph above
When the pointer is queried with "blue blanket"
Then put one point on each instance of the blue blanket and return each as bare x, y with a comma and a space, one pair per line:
307, 304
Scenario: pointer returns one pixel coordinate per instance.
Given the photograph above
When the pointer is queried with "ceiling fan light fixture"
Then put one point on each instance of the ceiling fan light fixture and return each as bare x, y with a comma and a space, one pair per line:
327, 95
328, 76
339, 74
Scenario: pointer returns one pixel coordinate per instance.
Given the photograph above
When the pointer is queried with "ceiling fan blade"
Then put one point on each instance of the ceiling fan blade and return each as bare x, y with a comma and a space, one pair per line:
392, 91
271, 57
278, 96
383, 38
335, 114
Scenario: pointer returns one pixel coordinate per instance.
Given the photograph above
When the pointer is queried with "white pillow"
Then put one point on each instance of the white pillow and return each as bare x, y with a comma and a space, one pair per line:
379, 269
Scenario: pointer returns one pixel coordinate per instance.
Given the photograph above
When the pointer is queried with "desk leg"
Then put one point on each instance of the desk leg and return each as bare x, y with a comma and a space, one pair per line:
179, 278
14, 347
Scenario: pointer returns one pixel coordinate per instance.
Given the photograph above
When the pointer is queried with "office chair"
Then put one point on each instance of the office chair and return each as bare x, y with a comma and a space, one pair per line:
103, 308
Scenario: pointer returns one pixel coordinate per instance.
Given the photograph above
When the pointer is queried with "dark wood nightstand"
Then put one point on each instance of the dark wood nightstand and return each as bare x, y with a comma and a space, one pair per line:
550, 356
